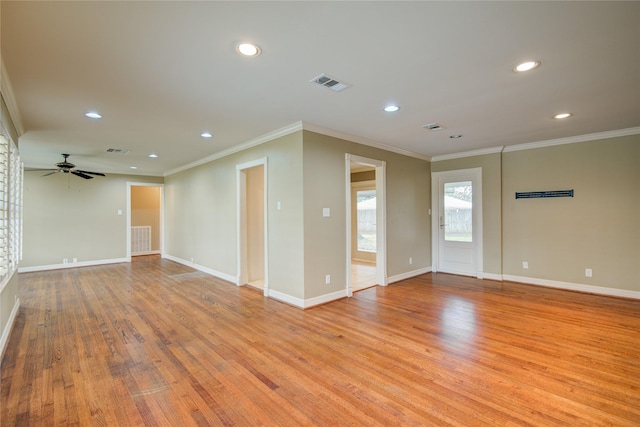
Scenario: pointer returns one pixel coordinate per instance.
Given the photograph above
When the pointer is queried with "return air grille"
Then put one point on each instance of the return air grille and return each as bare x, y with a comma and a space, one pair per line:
330, 82
117, 150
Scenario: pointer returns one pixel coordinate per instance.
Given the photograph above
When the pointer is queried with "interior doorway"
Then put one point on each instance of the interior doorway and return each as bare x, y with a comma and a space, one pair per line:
366, 231
252, 225
145, 219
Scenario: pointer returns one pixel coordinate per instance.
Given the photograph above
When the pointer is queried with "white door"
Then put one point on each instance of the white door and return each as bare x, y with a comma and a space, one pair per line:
457, 222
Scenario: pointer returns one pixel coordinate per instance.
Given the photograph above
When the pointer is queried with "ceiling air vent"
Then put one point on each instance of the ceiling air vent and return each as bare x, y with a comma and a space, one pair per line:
117, 151
330, 82
433, 126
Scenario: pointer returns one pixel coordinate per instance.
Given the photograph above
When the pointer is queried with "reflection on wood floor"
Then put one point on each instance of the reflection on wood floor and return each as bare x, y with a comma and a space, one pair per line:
363, 275
156, 343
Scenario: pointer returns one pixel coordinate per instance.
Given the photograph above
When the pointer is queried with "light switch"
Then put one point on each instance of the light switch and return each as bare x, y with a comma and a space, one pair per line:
326, 212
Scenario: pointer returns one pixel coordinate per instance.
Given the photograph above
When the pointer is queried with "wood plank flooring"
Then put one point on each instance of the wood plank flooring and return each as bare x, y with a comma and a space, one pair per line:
155, 343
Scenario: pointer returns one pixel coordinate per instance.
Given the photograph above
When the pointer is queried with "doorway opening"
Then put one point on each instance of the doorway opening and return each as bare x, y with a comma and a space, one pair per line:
252, 225
457, 223
144, 219
366, 236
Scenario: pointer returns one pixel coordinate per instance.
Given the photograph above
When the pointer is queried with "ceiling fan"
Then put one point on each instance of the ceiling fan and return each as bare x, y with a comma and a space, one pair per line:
66, 167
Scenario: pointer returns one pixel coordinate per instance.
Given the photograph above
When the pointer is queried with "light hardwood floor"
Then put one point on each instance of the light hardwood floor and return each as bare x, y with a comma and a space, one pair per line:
156, 343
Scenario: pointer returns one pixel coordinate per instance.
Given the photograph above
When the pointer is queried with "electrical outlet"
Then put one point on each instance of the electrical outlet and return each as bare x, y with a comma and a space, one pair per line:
65, 260
525, 264
327, 279
588, 272
410, 260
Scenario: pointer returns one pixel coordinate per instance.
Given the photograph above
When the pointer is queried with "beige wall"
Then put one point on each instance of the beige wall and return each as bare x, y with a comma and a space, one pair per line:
408, 201
599, 228
69, 217
201, 213
491, 204
145, 211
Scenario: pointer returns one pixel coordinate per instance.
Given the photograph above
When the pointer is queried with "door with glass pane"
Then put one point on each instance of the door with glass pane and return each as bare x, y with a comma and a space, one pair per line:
457, 223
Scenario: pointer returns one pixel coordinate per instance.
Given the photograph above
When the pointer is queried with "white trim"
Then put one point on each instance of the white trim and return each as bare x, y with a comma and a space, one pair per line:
128, 212
212, 272
9, 326
574, 286
381, 217
360, 140
480, 152
286, 298
294, 127
540, 144
71, 265
478, 237
492, 276
241, 189
574, 139
6, 89
307, 303
408, 275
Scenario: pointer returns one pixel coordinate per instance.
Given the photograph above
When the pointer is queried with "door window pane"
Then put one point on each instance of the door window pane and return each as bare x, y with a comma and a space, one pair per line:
458, 211
366, 220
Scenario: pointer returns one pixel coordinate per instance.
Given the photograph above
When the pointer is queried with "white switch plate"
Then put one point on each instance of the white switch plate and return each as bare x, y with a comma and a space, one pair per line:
278, 205
326, 212
525, 264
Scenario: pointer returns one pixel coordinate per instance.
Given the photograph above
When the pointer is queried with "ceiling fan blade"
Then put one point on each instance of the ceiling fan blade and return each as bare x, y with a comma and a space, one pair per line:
52, 172
92, 173
81, 175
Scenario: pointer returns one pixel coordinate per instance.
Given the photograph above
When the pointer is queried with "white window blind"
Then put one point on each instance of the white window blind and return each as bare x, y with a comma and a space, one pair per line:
10, 209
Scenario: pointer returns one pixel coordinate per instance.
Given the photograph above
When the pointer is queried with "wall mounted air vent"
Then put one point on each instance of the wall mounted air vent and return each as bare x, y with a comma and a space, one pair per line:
330, 82
433, 126
117, 151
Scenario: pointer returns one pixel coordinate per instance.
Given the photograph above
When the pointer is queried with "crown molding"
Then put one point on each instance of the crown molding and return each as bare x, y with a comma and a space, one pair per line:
472, 153
574, 139
294, 127
9, 98
360, 140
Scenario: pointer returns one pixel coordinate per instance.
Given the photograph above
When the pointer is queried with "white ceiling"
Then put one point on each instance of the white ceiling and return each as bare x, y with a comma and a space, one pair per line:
163, 72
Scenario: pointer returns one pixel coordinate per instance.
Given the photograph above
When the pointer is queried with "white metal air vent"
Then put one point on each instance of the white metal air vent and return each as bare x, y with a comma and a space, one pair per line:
433, 126
117, 151
330, 82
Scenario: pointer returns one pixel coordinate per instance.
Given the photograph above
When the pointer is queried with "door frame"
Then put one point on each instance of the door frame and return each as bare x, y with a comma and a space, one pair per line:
381, 217
461, 174
128, 213
241, 193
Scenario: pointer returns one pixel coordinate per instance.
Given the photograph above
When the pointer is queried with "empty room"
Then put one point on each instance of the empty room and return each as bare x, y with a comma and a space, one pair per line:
319, 213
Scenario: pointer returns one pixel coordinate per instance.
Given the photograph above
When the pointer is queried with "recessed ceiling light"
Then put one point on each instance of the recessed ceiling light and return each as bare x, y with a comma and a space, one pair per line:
455, 136
527, 66
133, 167
153, 156
93, 115
391, 108
562, 115
206, 135
248, 49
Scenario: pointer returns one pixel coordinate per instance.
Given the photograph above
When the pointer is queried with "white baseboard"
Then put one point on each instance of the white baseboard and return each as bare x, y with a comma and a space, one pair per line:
4, 339
70, 265
215, 273
286, 298
491, 276
408, 275
574, 286
307, 303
